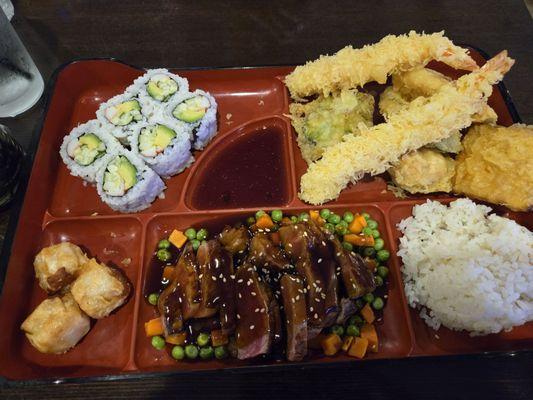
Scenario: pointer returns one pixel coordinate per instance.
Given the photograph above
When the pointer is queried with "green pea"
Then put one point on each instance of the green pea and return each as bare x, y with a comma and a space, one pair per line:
355, 320
303, 217
329, 227
202, 234
191, 351
195, 244
337, 330
341, 229
158, 342
352, 330
178, 353
203, 339
294, 219
206, 353
343, 223
152, 298
367, 231
378, 304
369, 252
249, 221
221, 352
375, 233
348, 216
379, 280
277, 215
383, 255
324, 213
259, 214
371, 224
347, 246
334, 219
382, 271
369, 297
366, 216
190, 233
163, 244
163, 255
379, 244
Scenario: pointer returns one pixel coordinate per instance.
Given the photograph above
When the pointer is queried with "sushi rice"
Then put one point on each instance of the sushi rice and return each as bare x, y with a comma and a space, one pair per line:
166, 157
156, 88
198, 110
146, 185
85, 148
121, 114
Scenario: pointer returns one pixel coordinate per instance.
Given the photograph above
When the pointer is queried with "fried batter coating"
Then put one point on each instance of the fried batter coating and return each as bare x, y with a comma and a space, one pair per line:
424, 171
323, 122
496, 165
425, 121
350, 68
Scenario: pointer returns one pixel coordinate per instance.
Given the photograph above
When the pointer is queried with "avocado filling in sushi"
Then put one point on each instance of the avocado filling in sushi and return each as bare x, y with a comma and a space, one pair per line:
161, 87
155, 139
124, 113
86, 149
119, 177
192, 110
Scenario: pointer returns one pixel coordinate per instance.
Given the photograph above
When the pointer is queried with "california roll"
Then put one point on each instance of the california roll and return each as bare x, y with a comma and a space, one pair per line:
84, 148
126, 184
121, 114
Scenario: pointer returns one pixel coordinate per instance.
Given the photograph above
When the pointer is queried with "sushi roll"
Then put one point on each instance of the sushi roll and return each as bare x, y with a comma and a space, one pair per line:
83, 150
120, 115
126, 184
163, 145
198, 110
156, 88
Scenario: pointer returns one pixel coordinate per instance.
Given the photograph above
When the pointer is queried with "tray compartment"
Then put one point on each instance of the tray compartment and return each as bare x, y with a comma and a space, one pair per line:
393, 328
250, 169
107, 345
444, 340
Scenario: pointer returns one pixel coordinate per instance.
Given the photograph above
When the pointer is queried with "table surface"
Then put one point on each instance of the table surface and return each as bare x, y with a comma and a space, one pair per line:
246, 33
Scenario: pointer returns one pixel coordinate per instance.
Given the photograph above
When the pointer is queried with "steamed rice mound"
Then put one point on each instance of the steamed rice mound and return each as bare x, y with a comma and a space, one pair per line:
465, 269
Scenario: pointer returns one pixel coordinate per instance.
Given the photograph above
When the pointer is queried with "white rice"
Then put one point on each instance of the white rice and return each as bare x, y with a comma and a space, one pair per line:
465, 269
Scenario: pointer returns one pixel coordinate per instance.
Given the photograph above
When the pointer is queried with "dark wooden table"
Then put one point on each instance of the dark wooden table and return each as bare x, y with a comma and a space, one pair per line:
240, 33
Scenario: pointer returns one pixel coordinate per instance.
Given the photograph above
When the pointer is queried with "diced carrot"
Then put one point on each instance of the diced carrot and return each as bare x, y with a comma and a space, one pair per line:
358, 240
347, 343
371, 263
276, 239
358, 347
368, 331
177, 238
219, 338
264, 222
357, 225
153, 327
331, 344
168, 273
321, 221
315, 215
368, 314
177, 339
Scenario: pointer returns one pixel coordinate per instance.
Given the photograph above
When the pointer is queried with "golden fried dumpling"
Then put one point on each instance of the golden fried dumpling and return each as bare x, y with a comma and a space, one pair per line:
100, 289
58, 265
56, 325
496, 165
424, 171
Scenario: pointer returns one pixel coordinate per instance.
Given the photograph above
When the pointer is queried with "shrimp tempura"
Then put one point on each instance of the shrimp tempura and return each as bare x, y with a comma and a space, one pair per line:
426, 120
350, 68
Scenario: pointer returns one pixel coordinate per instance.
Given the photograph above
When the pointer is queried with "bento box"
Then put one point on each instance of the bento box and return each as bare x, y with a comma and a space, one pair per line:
252, 111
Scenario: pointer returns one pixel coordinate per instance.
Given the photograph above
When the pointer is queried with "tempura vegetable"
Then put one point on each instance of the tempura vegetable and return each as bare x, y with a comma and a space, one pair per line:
496, 165
350, 68
425, 121
323, 122
424, 171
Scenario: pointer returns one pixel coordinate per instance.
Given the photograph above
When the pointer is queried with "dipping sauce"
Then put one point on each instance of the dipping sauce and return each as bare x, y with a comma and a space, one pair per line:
248, 172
